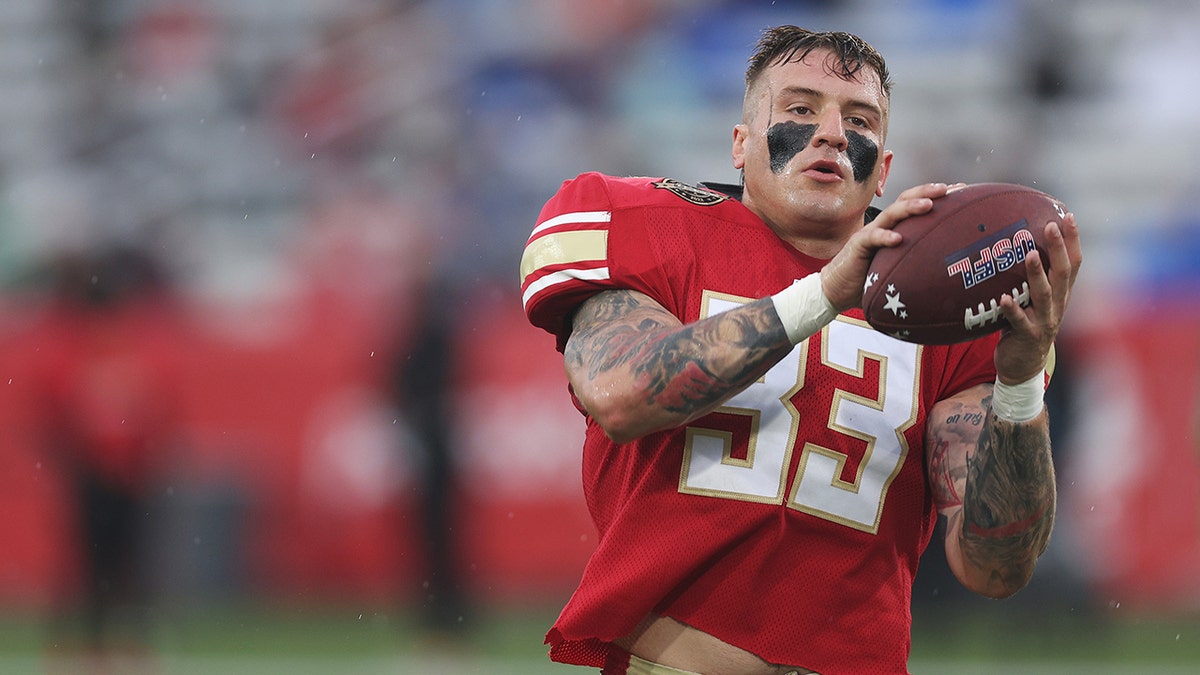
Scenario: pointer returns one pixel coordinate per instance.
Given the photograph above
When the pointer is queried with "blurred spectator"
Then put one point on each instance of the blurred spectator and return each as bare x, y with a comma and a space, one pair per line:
425, 373
108, 424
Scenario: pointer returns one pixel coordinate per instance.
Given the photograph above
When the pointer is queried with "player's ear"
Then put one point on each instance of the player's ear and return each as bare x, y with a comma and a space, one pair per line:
885, 166
740, 132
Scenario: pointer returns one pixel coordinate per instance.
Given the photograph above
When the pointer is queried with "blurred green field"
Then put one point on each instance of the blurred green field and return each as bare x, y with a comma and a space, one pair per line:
257, 640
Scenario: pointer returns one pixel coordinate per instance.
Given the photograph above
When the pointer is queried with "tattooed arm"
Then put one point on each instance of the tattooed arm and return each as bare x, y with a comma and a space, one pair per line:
993, 479
993, 487
637, 369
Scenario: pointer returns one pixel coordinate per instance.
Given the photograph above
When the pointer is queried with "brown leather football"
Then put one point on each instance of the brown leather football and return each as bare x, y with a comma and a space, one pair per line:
943, 283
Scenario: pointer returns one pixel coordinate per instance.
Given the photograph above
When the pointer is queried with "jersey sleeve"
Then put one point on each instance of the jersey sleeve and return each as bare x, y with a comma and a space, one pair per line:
566, 258
592, 235
969, 364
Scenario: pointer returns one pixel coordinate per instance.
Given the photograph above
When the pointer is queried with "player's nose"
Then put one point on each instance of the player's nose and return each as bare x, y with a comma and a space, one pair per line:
831, 130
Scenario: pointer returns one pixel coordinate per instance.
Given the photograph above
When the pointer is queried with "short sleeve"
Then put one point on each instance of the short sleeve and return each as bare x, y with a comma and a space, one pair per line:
566, 258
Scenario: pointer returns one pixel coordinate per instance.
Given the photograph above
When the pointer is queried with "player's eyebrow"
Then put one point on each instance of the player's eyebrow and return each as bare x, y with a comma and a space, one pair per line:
853, 103
800, 91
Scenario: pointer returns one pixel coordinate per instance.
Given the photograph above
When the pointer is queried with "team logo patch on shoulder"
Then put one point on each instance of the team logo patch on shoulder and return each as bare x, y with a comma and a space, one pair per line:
696, 195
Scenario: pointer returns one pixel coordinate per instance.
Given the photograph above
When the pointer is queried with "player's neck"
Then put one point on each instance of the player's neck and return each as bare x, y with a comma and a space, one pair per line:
817, 240
814, 230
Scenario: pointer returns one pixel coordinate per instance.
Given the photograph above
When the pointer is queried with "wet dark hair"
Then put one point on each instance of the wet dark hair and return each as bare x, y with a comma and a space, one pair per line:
783, 44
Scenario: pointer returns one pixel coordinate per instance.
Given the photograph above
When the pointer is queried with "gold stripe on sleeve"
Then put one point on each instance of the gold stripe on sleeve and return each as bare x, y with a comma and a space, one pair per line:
564, 248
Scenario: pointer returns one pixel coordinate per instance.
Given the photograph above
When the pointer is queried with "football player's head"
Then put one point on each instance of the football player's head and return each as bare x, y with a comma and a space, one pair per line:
814, 119
792, 43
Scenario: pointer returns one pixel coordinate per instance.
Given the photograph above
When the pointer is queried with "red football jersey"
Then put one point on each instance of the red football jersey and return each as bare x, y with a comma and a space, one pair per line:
790, 521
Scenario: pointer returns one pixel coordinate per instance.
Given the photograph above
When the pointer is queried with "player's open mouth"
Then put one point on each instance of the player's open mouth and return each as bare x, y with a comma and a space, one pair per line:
824, 171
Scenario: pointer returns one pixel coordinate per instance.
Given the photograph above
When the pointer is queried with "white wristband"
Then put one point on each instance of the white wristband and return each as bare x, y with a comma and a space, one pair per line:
803, 308
1019, 402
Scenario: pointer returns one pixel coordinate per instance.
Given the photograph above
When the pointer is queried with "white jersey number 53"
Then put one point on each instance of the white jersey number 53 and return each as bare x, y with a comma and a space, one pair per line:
819, 487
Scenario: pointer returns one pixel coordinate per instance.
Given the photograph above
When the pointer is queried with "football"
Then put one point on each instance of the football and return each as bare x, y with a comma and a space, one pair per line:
943, 283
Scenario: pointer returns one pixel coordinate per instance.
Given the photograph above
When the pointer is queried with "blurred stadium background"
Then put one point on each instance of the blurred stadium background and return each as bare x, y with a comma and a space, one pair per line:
252, 252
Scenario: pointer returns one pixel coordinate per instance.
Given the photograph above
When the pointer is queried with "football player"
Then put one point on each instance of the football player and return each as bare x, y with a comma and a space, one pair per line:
763, 468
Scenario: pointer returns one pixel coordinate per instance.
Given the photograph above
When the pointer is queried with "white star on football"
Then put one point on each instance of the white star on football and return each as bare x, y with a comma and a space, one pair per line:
871, 279
893, 303
891, 288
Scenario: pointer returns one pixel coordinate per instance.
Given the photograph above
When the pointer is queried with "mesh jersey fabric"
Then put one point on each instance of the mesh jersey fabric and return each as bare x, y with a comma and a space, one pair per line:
789, 522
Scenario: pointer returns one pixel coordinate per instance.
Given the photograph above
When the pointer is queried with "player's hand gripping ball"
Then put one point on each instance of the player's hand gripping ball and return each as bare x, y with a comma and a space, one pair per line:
944, 281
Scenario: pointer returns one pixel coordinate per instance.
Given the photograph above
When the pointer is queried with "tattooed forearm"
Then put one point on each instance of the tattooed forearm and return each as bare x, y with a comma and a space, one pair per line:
1009, 501
699, 366
953, 433
944, 476
677, 371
